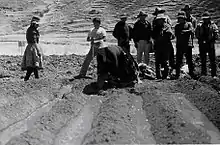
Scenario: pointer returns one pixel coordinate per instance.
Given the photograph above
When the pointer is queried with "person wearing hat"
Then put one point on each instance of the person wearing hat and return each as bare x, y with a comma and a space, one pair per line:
116, 67
183, 31
142, 37
162, 35
97, 36
32, 58
157, 11
189, 17
207, 33
122, 32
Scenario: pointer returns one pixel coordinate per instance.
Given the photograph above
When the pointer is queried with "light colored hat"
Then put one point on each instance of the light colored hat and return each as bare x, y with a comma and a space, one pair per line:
124, 15
181, 14
158, 10
160, 16
141, 13
206, 15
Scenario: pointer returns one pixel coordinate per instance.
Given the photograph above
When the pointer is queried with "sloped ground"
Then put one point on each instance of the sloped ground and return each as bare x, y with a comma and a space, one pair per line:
53, 110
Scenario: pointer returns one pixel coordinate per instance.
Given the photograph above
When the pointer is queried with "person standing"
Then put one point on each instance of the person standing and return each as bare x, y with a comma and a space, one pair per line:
122, 32
162, 34
207, 34
184, 44
141, 36
189, 17
31, 60
96, 36
157, 11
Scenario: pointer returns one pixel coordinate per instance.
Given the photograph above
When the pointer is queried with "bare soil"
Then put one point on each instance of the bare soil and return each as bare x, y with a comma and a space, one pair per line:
57, 109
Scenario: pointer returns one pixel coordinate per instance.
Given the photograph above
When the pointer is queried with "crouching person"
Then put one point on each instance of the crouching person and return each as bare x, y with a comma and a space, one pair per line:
32, 58
162, 34
116, 67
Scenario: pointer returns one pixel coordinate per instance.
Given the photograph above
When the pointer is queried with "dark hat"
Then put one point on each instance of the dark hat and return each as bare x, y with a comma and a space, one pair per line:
141, 13
158, 10
160, 16
181, 14
124, 15
96, 20
35, 19
206, 15
186, 7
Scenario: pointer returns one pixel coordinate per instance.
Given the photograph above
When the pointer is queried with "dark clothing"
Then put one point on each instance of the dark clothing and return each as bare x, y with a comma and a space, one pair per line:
207, 34
203, 50
162, 37
170, 46
183, 33
184, 45
142, 31
32, 35
29, 72
122, 32
179, 60
118, 64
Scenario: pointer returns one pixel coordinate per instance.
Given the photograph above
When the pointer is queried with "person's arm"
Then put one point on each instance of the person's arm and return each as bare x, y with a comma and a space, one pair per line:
215, 32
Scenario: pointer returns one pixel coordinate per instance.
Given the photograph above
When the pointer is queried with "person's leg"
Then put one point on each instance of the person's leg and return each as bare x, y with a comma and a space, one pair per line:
87, 61
157, 64
189, 61
36, 73
140, 51
212, 56
28, 74
164, 64
179, 59
147, 47
202, 54
171, 56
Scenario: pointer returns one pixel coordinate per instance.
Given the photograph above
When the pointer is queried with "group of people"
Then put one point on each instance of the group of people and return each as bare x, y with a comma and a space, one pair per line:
116, 64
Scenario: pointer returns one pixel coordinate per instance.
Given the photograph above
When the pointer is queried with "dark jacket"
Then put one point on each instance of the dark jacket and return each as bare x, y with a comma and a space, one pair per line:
122, 30
32, 35
142, 31
162, 36
118, 64
183, 33
207, 33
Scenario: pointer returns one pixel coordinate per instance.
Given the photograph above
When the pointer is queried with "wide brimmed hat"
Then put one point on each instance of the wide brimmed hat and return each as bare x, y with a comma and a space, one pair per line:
181, 14
160, 16
186, 8
141, 13
206, 15
158, 10
96, 19
35, 19
124, 15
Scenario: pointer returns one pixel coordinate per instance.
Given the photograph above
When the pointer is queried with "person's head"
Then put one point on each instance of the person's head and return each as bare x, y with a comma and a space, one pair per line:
35, 22
160, 19
181, 17
142, 15
123, 17
96, 22
187, 9
158, 10
206, 17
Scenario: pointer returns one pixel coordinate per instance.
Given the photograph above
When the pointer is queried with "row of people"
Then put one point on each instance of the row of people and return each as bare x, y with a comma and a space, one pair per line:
145, 35
159, 34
